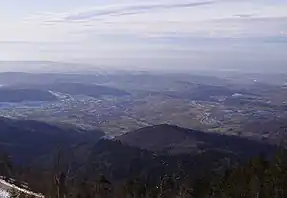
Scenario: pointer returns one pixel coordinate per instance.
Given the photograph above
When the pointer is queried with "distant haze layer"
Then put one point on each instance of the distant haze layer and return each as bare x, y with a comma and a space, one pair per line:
161, 35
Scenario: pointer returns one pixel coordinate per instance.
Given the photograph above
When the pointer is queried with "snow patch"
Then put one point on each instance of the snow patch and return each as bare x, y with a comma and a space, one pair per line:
4, 194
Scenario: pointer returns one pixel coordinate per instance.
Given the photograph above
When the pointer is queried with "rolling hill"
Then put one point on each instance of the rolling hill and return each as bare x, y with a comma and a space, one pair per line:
27, 140
73, 88
174, 139
21, 95
91, 90
149, 154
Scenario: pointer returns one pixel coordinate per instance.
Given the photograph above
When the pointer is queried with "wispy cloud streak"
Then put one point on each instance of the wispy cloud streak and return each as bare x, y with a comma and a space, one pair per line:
130, 9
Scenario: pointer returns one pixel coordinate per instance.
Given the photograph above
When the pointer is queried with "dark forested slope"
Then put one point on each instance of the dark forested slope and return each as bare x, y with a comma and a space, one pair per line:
26, 140
174, 139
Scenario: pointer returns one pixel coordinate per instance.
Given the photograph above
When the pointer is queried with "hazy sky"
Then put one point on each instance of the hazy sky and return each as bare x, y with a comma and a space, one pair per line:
225, 34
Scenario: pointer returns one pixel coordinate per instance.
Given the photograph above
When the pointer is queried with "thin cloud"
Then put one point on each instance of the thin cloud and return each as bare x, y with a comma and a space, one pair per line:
130, 9
244, 15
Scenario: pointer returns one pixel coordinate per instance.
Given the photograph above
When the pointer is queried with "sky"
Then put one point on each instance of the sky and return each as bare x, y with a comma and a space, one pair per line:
163, 34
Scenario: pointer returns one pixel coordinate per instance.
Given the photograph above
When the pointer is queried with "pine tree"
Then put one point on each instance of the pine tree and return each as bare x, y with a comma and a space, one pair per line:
103, 187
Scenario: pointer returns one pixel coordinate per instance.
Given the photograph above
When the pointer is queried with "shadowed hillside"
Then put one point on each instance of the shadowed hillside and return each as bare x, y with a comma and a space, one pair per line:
27, 140
173, 139
21, 95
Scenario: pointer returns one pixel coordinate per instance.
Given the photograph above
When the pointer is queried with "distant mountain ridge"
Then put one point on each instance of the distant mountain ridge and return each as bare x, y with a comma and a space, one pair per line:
71, 88
91, 90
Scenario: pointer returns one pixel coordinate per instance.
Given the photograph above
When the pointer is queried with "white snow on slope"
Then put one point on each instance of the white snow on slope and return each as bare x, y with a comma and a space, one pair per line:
4, 194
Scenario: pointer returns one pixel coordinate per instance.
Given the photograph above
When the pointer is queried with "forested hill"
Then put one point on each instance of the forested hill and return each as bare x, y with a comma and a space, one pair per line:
173, 139
157, 161
27, 140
